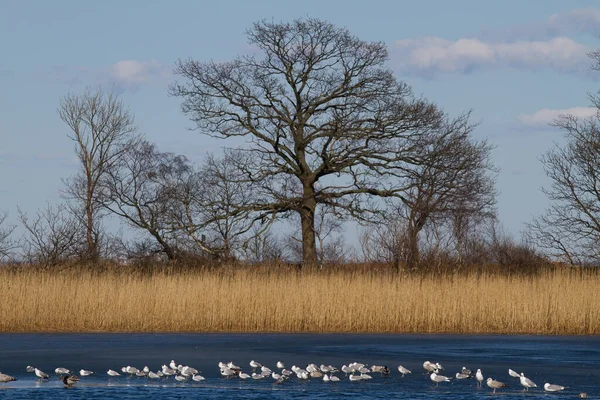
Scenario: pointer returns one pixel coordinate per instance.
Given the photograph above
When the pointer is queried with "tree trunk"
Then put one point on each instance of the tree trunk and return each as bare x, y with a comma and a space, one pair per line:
412, 249
307, 218
92, 248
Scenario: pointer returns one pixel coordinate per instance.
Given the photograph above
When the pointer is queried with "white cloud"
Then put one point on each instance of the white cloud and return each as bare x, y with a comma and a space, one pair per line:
133, 73
546, 116
578, 21
431, 55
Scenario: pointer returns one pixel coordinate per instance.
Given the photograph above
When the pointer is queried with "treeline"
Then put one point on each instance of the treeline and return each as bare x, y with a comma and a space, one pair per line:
331, 136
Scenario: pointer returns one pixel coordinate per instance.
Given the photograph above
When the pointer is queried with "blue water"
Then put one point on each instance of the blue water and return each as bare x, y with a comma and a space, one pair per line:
569, 361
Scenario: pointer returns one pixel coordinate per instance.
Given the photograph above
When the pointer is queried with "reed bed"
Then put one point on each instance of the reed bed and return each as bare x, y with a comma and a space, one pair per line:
247, 300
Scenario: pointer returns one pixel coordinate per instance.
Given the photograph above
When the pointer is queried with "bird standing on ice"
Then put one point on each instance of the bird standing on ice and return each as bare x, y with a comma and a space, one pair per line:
526, 382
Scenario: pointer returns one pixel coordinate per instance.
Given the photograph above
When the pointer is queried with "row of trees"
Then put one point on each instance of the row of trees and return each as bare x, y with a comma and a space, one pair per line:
330, 136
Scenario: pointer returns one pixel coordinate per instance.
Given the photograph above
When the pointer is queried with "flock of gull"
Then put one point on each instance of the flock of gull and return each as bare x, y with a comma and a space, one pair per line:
353, 372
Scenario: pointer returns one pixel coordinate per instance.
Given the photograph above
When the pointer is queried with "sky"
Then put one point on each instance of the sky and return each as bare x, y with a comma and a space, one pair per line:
515, 64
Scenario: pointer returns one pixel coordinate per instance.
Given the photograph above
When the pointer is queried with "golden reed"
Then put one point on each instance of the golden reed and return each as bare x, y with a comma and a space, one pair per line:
248, 300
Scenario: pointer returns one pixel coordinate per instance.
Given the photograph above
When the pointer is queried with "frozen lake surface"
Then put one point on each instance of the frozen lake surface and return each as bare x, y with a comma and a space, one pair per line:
572, 361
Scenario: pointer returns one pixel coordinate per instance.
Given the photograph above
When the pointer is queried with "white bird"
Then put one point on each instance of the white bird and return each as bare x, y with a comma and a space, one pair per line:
243, 375
526, 382
153, 375
85, 372
326, 378
316, 374
429, 367
365, 376
173, 364
376, 368
124, 370
280, 365
275, 376
334, 378
6, 378
404, 370
514, 374
439, 367
131, 370
198, 378
354, 378
146, 369
227, 372
40, 374
266, 370
180, 378
286, 372
257, 376
231, 365
460, 375
255, 364
495, 384
438, 378
479, 376
346, 369
110, 372
466, 371
548, 387
61, 371
29, 369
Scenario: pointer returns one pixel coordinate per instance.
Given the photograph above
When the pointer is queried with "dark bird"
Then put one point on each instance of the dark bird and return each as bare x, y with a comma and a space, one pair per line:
70, 380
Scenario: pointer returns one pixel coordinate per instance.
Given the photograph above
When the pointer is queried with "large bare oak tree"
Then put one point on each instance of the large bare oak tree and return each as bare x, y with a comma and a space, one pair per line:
326, 122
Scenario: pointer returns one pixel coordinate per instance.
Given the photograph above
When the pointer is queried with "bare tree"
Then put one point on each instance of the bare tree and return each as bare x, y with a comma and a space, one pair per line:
52, 237
102, 129
457, 181
140, 188
213, 206
570, 228
325, 120
7, 244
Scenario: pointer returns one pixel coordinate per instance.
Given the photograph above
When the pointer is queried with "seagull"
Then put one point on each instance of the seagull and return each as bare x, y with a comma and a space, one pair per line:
70, 380
479, 377
153, 375
354, 378
403, 370
6, 378
255, 364
61, 371
131, 370
333, 378
243, 375
466, 371
40, 374
429, 367
438, 378
29, 369
548, 387
110, 372
495, 384
85, 372
526, 382
513, 373
180, 378
197, 378
460, 375
280, 365
257, 376
173, 365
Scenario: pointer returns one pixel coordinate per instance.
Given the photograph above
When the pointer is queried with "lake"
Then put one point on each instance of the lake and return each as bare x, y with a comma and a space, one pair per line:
572, 361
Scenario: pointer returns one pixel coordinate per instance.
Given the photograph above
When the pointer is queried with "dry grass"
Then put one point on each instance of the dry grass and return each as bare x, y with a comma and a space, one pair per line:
250, 300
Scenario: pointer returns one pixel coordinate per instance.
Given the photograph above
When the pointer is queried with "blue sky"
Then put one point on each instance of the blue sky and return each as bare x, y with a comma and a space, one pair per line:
517, 64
